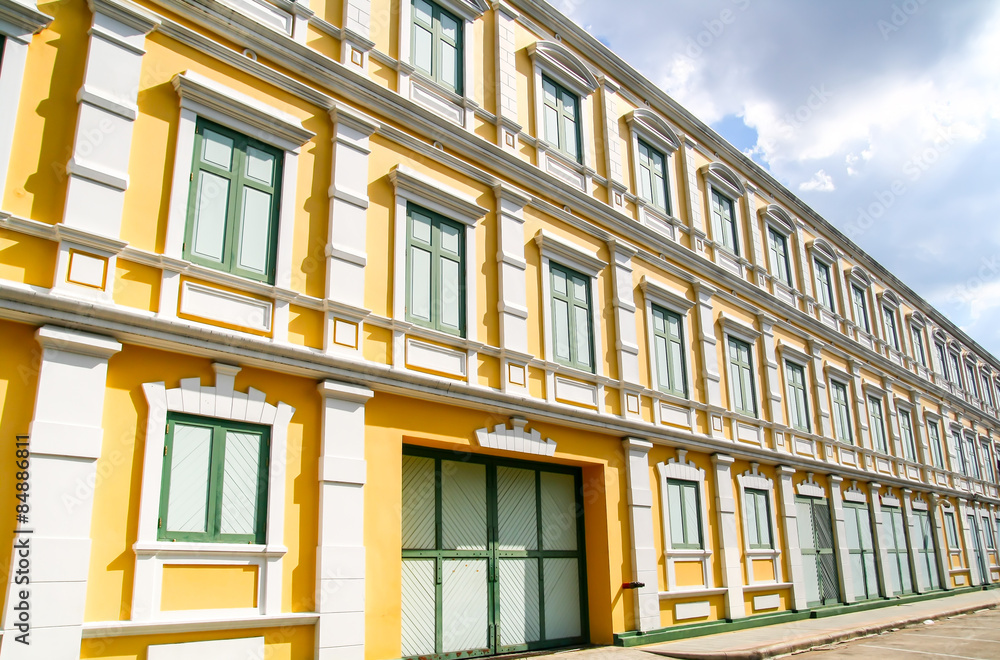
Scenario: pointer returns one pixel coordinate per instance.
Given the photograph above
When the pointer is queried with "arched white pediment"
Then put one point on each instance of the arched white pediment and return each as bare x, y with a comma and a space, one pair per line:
557, 60
890, 298
775, 215
651, 127
821, 248
516, 438
861, 276
470, 10
726, 176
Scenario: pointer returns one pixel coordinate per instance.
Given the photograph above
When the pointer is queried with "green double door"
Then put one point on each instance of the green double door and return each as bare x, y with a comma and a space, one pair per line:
819, 562
492, 555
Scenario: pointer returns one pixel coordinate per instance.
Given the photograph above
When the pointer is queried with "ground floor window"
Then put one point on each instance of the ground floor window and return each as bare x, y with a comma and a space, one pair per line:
899, 557
927, 571
860, 545
492, 555
819, 563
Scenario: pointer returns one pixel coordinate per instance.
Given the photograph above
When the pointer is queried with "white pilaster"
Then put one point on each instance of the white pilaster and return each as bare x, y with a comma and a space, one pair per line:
772, 383
355, 36
725, 508
66, 434
912, 531
640, 510
693, 206
508, 127
340, 557
941, 554
626, 337
613, 145
840, 539
754, 238
99, 168
513, 304
789, 518
711, 378
860, 406
820, 399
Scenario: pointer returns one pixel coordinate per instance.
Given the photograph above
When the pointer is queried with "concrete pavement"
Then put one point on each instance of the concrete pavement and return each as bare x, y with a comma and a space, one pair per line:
785, 638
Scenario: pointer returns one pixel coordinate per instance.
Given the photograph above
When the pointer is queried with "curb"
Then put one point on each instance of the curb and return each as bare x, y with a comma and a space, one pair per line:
785, 648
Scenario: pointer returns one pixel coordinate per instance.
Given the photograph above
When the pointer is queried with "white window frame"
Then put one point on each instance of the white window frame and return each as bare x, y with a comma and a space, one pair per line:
19, 22
411, 186
203, 97
820, 250
555, 61
456, 108
775, 218
650, 128
683, 470
790, 357
754, 480
219, 402
562, 252
888, 302
746, 333
878, 394
931, 419
905, 408
858, 278
842, 378
720, 178
971, 374
918, 327
660, 295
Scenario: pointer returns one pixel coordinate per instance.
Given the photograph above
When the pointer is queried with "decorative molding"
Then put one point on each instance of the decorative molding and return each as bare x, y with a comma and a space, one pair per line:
557, 61
436, 196
516, 439
653, 129
724, 178
663, 296
855, 494
564, 252
738, 328
809, 488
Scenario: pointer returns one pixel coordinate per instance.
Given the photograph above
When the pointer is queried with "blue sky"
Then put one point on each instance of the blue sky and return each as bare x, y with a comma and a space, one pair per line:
883, 115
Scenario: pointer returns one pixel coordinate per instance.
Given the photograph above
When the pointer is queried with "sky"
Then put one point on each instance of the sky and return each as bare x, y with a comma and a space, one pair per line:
882, 115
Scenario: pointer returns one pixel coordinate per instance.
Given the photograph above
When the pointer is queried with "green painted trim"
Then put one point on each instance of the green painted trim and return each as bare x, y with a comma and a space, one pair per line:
655, 163
564, 116
665, 381
437, 256
572, 304
636, 638
438, 39
238, 182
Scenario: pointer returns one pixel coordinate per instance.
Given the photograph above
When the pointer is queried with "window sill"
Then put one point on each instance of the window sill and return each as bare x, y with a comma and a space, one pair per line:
687, 593
766, 586
211, 621
687, 554
185, 548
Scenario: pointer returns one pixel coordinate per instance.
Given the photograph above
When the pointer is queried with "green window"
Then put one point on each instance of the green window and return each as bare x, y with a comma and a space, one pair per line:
906, 429
972, 458
653, 177
214, 484
841, 413
960, 452
942, 360
741, 377
724, 222
798, 406
971, 385
991, 543
878, 425
892, 336
437, 45
824, 284
572, 331
956, 371
685, 515
561, 114
988, 463
668, 337
934, 439
860, 308
435, 271
918, 345
778, 246
232, 213
951, 530
758, 519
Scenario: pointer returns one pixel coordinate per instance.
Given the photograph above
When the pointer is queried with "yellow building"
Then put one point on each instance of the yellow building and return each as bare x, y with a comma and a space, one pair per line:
375, 329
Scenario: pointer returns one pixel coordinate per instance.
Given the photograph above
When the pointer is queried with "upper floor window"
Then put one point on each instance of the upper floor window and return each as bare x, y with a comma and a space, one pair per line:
435, 271
758, 519
798, 405
437, 44
934, 440
232, 219
939, 347
859, 303
987, 456
824, 284
724, 222
987, 391
668, 336
685, 515
653, 177
561, 111
778, 247
906, 430
741, 377
841, 413
879, 441
971, 382
891, 332
971, 457
214, 483
572, 333
956, 370
918, 345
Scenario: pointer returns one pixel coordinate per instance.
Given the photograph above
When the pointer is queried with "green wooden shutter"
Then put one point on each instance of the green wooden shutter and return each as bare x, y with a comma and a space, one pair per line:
906, 429
741, 377
877, 425
824, 284
668, 343
436, 50
860, 308
778, 246
560, 110
435, 271
798, 406
572, 330
653, 177
724, 222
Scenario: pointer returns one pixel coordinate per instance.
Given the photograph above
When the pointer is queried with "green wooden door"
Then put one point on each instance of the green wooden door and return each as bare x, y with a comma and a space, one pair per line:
818, 559
492, 555
927, 569
899, 556
861, 547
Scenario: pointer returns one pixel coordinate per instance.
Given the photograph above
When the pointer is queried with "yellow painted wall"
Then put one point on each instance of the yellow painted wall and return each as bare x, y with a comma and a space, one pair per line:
184, 587
393, 421
284, 643
119, 470
18, 382
27, 259
137, 286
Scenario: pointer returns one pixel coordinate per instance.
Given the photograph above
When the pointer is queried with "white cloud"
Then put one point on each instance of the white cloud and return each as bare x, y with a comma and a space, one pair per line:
821, 182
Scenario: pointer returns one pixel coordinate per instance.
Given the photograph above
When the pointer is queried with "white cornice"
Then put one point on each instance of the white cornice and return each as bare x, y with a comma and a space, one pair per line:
562, 250
24, 17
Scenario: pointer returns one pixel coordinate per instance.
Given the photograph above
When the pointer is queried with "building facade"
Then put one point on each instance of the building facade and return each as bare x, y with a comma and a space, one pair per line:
429, 328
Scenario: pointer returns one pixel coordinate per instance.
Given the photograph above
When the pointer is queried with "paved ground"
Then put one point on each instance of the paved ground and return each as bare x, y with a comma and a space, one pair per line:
972, 636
